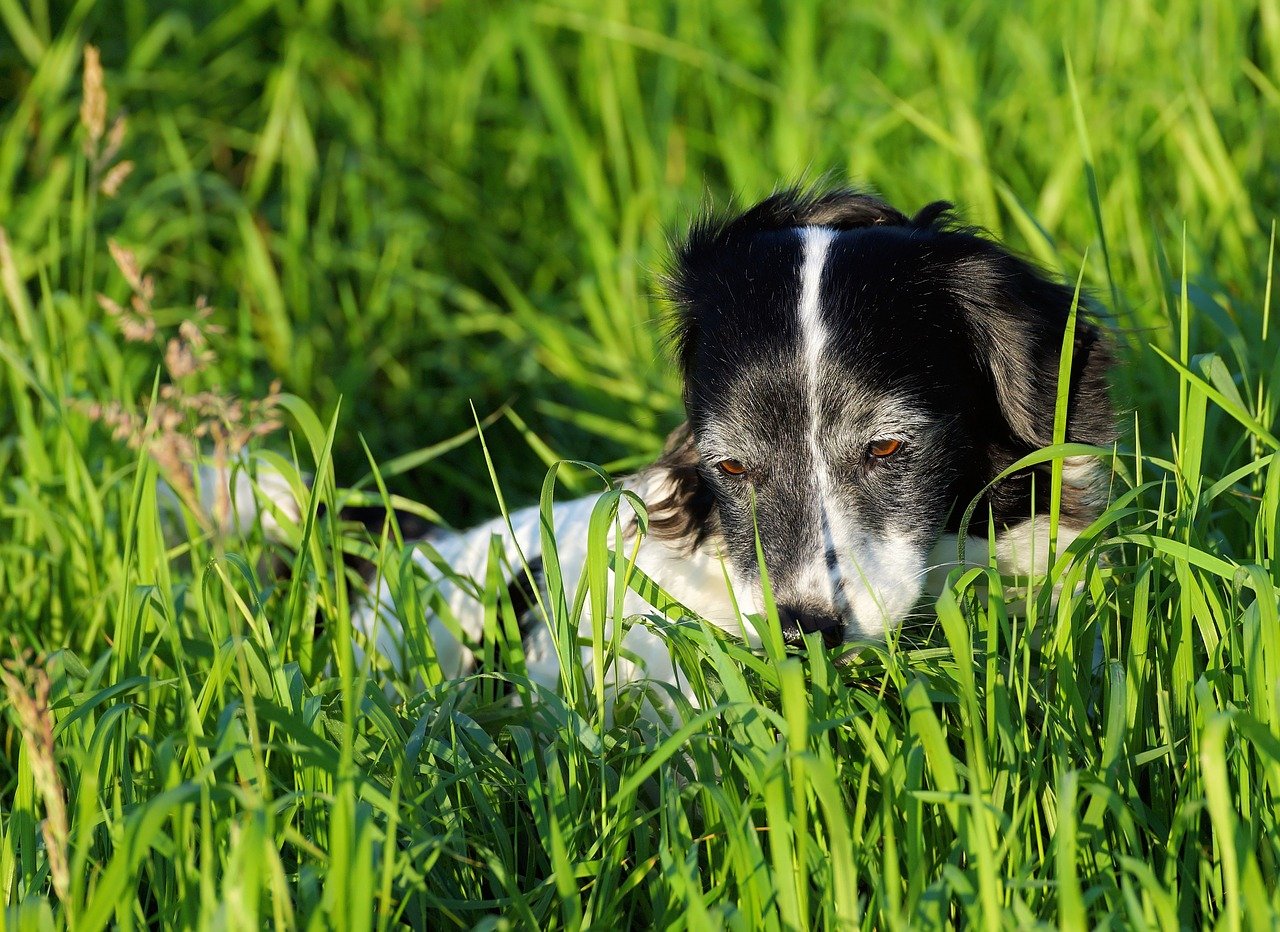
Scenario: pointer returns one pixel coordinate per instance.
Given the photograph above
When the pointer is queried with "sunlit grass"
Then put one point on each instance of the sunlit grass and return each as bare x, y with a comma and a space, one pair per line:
409, 209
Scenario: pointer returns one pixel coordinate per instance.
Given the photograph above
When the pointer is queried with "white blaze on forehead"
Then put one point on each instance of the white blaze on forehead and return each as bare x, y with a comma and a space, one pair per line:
815, 244
815, 241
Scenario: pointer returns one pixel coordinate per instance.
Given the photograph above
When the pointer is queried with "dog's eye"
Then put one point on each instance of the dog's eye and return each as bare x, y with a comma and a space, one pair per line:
731, 468
884, 448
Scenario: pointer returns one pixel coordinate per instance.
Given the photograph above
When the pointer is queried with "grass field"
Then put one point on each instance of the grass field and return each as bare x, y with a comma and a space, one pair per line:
401, 210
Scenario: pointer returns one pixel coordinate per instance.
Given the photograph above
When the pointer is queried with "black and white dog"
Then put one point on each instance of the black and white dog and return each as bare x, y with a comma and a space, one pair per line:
853, 378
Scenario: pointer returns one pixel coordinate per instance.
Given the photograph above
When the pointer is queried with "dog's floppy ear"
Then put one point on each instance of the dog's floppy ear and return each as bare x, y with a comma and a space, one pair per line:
682, 508
1017, 317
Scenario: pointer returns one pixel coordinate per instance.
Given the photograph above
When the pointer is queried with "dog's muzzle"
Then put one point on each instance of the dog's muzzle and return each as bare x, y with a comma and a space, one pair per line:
797, 623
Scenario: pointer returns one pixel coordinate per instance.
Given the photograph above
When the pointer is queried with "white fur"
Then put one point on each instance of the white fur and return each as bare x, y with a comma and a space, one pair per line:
697, 580
1021, 551
889, 572
234, 497
813, 334
818, 578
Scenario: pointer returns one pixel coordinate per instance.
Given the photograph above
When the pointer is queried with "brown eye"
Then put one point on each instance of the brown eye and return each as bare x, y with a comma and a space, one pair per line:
731, 468
884, 448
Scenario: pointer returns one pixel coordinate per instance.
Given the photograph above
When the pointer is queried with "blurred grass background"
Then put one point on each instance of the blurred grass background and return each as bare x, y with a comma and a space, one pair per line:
419, 206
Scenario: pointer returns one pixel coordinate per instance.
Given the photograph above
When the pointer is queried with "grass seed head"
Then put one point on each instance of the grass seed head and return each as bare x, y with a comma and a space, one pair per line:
26, 683
184, 414
115, 177
93, 107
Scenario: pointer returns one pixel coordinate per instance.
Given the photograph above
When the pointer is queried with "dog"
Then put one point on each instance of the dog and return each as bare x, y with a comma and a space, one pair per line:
853, 378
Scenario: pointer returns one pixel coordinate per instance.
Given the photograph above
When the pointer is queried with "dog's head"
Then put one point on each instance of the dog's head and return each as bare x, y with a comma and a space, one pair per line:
853, 377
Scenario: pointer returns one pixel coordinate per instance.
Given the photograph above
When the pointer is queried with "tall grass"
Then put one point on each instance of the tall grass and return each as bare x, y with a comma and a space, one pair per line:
403, 209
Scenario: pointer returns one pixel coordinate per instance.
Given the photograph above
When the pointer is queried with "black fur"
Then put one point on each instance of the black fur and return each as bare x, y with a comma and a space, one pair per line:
920, 308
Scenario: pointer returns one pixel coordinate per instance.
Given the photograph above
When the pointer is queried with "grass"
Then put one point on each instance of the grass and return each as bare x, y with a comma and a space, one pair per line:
403, 209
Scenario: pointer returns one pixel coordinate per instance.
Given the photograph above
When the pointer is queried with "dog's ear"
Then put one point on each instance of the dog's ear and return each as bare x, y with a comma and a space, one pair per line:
681, 508
1017, 317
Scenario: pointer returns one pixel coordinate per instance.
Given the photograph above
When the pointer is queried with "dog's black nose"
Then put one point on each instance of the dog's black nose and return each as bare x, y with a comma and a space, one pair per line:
796, 623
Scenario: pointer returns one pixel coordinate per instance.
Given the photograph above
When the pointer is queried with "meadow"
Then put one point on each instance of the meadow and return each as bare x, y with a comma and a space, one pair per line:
344, 234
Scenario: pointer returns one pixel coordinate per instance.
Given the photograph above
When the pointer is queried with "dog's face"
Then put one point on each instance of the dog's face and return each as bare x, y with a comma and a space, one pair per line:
852, 379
